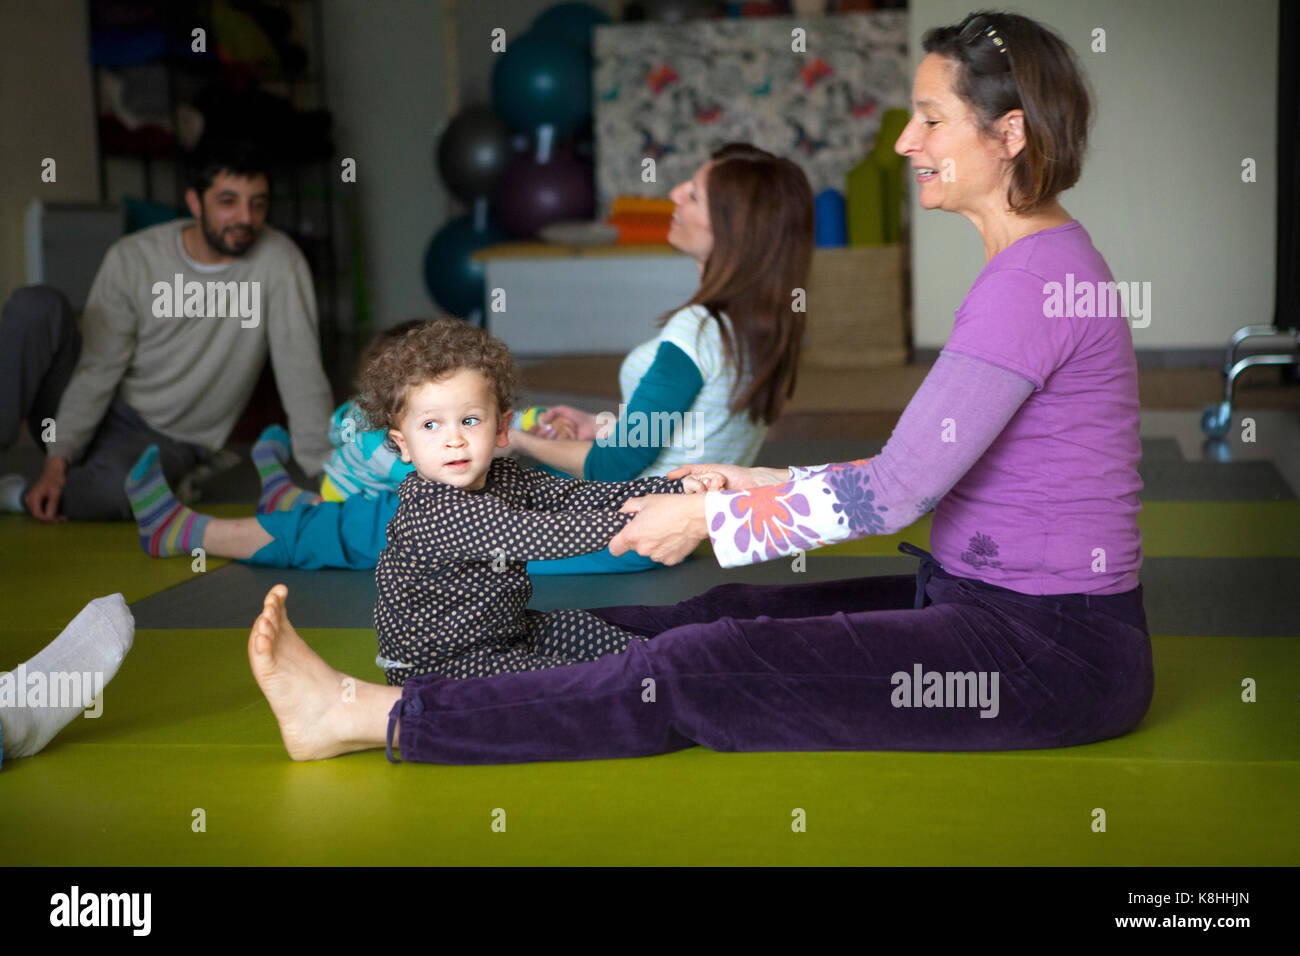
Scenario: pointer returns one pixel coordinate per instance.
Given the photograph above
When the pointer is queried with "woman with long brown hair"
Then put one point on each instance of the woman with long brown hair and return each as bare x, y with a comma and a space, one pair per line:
723, 365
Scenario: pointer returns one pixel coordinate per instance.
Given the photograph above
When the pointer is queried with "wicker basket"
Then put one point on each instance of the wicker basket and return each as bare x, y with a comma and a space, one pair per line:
856, 313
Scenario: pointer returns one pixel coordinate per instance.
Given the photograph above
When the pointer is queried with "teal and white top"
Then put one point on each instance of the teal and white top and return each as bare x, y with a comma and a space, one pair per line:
676, 396
362, 463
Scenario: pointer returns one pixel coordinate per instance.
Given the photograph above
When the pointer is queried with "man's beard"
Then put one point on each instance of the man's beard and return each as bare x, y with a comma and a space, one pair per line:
227, 247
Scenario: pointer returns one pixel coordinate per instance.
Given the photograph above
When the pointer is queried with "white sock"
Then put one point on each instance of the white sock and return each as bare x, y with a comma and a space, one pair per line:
11, 493
85, 656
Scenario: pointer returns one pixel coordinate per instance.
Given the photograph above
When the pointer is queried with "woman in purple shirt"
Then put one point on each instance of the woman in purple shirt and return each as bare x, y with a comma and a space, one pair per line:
1025, 629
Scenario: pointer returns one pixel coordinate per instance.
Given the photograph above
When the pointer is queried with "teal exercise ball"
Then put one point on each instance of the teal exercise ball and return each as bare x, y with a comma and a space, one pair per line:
542, 79
570, 21
454, 279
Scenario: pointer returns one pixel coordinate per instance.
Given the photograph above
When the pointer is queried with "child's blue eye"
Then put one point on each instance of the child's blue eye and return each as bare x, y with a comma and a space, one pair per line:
430, 425
471, 421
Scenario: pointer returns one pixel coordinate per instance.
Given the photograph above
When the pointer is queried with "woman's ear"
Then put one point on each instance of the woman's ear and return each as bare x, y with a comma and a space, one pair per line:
400, 441
1013, 133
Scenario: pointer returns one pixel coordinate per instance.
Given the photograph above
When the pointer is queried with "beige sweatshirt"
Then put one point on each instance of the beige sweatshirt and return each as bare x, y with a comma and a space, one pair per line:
190, 376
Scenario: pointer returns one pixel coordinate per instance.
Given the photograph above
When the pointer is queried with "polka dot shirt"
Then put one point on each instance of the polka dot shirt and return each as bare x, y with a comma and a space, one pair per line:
452, 582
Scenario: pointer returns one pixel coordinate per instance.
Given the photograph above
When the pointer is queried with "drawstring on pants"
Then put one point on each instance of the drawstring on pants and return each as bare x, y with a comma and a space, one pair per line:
403, 706
929, 564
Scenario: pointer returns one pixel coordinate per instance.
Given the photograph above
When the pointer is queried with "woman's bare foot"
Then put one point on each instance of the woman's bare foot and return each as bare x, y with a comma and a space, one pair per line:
322, 712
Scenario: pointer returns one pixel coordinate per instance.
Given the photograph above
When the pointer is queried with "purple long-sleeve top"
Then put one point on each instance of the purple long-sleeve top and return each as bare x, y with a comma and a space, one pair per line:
1023, 439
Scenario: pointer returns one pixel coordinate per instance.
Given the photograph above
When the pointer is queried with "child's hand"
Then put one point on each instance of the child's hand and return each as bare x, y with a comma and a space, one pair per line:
708, 481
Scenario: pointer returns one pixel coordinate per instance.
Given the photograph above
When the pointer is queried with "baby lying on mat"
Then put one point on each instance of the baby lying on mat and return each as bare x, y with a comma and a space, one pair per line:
453, 588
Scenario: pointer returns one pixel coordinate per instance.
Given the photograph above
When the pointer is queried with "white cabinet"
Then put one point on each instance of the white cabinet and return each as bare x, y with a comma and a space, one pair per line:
582, 301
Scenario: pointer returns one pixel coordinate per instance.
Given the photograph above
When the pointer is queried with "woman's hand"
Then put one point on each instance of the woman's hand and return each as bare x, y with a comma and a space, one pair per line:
666, 527
561, 429
737, 478
566, 422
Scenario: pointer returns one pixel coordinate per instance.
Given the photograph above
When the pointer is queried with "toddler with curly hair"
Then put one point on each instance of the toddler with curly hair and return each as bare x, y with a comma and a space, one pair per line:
453, 587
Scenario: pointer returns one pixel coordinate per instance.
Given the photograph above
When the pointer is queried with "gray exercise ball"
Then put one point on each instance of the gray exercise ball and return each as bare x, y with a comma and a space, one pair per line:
473, 151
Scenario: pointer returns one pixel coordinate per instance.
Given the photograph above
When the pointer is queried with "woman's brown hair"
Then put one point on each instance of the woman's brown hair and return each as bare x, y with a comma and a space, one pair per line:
761, 216
1008, 62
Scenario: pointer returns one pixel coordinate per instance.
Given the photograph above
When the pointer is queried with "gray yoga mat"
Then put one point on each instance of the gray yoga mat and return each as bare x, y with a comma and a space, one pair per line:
1231, 597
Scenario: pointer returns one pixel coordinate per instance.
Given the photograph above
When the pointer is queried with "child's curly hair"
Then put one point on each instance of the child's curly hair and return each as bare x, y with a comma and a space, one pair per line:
426, 350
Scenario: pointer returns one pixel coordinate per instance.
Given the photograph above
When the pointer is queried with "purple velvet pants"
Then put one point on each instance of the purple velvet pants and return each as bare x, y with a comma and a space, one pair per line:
934, 662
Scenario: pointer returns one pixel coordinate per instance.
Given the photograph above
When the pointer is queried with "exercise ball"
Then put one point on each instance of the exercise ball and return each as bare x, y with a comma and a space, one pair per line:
454, 279
542, 79
572, 22
473, 151
530, 195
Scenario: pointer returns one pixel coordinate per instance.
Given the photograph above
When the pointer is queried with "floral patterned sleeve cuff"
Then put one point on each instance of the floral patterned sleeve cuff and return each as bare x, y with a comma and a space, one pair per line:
822, 505
804, 471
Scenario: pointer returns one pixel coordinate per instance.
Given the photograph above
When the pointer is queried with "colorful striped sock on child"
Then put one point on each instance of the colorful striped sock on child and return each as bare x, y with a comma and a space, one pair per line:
167, 528
279, 493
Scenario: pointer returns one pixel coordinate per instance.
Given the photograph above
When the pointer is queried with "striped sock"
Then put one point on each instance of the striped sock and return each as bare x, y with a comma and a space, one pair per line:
167, 528
279, 493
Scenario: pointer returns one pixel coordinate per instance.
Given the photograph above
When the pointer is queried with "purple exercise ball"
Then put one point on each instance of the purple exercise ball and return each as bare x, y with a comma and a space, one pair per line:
530, 195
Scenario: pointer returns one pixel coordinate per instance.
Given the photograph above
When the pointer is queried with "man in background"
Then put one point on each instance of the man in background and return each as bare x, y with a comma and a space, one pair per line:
178, 324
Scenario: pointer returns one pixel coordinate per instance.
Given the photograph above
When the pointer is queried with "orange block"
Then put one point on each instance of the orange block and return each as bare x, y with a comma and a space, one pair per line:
640, 205
638, 233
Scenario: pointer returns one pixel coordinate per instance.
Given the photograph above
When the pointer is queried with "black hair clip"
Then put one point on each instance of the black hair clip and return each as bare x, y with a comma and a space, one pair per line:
998, 42
978, 27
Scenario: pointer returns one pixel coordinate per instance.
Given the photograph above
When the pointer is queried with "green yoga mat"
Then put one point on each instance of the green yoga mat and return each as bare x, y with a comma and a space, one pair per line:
1205, 780
49, 572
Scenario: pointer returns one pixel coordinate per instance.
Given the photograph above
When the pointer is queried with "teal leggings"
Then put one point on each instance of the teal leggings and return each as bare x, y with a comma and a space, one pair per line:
351, 534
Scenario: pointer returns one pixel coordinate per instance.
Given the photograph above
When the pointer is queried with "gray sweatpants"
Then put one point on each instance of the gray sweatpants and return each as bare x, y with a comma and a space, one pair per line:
41, 344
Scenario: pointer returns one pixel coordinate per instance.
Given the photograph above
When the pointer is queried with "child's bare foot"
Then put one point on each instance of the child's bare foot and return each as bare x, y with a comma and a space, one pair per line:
322, 713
